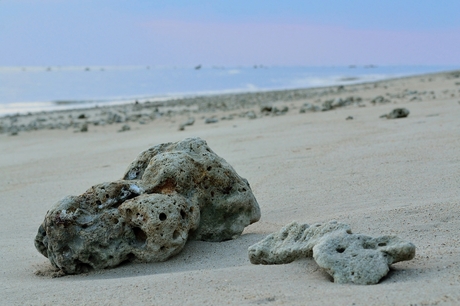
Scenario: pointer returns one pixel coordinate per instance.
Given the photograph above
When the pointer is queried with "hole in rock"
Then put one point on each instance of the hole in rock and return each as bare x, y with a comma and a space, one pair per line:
381, 244
131, 257
84, 225
82, 267
162, 216
140, 235
66, 250
368, 246
176, 234
182, 214
299, 235
340, 249
352, 273
212, 193
107, 196
162, 248
227, 190
209, 168
98, 202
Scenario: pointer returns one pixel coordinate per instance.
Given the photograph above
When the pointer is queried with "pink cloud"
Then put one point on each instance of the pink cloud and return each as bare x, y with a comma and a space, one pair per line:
252, 43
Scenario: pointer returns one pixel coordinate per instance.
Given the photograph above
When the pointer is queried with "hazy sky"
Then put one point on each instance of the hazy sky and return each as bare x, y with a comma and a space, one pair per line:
229, 32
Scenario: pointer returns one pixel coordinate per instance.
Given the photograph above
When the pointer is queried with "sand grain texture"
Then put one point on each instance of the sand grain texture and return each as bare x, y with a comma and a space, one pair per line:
383, 177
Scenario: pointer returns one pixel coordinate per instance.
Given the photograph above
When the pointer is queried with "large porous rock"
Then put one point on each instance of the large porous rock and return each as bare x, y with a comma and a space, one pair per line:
347, 257
226, 202
170, 193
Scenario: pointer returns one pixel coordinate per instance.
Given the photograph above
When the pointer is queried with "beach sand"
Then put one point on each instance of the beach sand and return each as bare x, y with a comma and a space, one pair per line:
383, 177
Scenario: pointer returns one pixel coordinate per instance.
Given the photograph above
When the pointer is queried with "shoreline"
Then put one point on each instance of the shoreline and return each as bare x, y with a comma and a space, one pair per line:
308, 79
227, 106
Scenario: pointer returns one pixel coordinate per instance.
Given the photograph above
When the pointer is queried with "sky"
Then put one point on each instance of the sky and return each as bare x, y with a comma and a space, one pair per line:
229, 32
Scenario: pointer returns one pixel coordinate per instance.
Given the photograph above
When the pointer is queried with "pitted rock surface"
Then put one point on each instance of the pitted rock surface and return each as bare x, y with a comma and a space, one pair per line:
293, 241
226, 202
161, 224
170, 193
360, 259
347, 257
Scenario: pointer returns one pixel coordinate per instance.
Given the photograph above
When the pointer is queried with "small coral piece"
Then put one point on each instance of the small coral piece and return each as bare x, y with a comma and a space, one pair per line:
347, 257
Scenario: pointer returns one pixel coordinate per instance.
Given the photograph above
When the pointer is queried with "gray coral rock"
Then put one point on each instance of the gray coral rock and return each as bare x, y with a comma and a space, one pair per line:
396, 113
170, 193
226, 202
309, 107
347, 257
293, 241
360, 259
190, 121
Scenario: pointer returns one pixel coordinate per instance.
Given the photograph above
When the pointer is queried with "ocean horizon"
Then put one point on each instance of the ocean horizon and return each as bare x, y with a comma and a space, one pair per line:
48, 88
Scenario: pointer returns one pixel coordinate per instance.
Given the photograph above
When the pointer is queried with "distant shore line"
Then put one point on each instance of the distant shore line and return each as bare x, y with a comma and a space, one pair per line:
213, 108
188, 98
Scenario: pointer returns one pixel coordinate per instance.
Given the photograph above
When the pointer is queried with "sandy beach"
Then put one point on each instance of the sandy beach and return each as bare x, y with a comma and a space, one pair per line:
310, 155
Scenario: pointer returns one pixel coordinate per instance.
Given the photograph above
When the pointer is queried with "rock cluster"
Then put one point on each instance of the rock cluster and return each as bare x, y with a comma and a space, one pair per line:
267, 110
331, 104
347, 257
380, 100
339, 102
234, 105
170, 193
397, 113
148, 111
308, 107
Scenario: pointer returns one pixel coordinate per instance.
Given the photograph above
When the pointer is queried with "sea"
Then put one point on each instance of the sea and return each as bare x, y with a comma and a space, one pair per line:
33, 89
